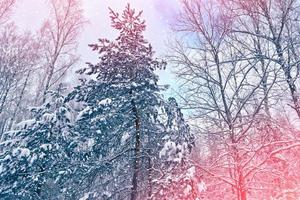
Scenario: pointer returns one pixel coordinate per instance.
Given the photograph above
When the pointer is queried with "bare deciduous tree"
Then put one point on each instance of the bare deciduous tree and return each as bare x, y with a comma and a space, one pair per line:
18, 58
276, 24
5, 8
59, 36
230, 74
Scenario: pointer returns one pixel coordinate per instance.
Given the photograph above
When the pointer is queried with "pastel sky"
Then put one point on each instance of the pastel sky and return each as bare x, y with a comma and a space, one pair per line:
29, 15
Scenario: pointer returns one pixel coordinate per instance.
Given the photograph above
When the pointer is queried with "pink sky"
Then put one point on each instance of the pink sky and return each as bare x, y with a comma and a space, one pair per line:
29, 15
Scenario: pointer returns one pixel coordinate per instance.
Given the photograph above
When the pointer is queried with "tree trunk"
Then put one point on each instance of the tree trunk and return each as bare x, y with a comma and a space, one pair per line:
265, 75
49, 77
289, 79
241, 187
149, 169
285, 67
136, 162
20, 101
4, 99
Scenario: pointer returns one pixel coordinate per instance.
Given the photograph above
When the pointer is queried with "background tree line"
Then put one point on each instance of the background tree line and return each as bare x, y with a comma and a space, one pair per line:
238, 63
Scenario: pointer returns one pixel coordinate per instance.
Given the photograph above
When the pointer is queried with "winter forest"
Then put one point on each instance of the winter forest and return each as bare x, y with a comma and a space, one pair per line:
225, 127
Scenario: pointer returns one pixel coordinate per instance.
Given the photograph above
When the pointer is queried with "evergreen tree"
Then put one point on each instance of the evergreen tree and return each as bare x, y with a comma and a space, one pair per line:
120, 124
177, 179
34, 157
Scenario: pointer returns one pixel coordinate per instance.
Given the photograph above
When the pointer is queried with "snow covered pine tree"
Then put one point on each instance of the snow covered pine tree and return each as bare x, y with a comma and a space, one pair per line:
121, 134
177, 180
35, 157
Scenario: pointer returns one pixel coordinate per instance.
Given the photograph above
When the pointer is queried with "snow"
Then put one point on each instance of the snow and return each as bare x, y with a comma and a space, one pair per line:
178, 157
21, 152
168, 149
7, 157
134, 84
107, 194
33, 158
152, 82
187, 190
46, 147
61, 172
166, 137
24, 152
48, 117
173, 152
15, 152
191, 172
119, 75
280, 157
59, 100
1, 169
42, 155
202, 187
85, 111
105, 102
25, 124
86, 145
85, 196
124, 138
90, 142
9, 142
64, 111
